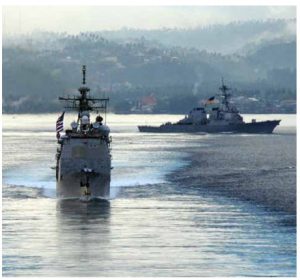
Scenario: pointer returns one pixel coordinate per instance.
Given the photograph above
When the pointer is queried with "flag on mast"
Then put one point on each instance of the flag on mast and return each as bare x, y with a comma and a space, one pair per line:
210, 100
60, 124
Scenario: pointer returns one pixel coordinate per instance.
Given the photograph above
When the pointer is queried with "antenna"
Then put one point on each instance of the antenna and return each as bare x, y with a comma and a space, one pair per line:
224, 88
83, 102
225, 95
83, 74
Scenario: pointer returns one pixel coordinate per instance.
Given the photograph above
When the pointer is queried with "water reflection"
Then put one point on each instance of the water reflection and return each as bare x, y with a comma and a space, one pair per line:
178, 228
96, 209
83, 235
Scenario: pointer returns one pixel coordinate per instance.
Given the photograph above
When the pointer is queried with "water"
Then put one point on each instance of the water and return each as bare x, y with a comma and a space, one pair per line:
153, 224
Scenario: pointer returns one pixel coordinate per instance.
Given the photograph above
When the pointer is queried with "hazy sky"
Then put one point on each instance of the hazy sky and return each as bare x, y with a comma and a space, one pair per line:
74, 19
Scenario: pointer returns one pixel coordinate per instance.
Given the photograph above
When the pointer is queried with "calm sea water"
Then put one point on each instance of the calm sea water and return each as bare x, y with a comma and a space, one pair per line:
151, 226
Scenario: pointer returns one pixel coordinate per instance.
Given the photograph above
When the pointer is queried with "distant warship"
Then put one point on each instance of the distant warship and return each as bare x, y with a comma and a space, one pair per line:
222, 118
83, 159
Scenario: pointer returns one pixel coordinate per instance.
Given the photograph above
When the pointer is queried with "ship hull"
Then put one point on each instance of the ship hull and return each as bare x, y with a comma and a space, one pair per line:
253, 127
70, 186
83, 169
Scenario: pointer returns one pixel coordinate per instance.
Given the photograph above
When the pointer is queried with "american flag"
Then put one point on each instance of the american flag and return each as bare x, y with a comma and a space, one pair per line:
60, 123
211, 100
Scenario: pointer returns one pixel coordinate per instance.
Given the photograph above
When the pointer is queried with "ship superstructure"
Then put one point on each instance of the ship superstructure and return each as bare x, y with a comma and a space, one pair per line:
223, 117
83, 159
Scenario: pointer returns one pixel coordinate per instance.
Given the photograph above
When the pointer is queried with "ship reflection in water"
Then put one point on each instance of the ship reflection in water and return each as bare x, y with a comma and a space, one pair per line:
83, 234
96, 209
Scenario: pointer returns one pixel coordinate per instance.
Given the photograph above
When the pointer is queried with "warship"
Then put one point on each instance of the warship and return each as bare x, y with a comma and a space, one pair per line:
83, 158
221, 118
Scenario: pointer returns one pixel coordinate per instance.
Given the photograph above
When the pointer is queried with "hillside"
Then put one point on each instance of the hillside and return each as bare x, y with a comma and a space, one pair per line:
226, 39
39, 68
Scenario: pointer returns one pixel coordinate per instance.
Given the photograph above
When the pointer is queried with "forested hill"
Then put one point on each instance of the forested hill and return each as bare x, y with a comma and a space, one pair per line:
221, 38
40, 67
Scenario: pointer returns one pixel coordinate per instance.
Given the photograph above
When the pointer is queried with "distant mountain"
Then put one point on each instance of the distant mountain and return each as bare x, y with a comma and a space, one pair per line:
39, 67
225, 39
274, 55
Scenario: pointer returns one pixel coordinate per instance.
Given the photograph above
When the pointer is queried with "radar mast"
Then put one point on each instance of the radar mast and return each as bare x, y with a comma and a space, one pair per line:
84, 102
223, 88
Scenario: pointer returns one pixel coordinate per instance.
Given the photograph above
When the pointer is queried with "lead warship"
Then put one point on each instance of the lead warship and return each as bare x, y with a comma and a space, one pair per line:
83, 159
221, 118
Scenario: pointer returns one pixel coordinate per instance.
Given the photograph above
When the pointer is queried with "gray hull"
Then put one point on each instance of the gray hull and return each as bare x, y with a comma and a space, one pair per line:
70, 187
254, 127
76, 156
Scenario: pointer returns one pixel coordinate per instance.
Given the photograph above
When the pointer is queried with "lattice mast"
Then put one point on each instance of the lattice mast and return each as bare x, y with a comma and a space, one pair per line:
84, 102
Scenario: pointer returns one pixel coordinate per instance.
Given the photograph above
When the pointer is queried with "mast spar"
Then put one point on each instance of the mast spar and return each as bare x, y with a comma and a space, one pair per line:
226, 95
83, 74
84, 102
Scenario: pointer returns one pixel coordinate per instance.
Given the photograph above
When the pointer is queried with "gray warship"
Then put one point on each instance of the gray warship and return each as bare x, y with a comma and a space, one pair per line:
223, 118
83, 158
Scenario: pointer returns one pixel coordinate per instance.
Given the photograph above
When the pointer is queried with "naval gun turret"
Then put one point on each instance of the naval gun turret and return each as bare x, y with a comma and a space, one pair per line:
83, 160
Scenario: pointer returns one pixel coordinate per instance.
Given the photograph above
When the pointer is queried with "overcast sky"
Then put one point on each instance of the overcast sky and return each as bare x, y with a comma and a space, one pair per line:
75, 19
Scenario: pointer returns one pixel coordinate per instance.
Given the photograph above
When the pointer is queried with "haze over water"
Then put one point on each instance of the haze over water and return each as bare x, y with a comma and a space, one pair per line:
152, 225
